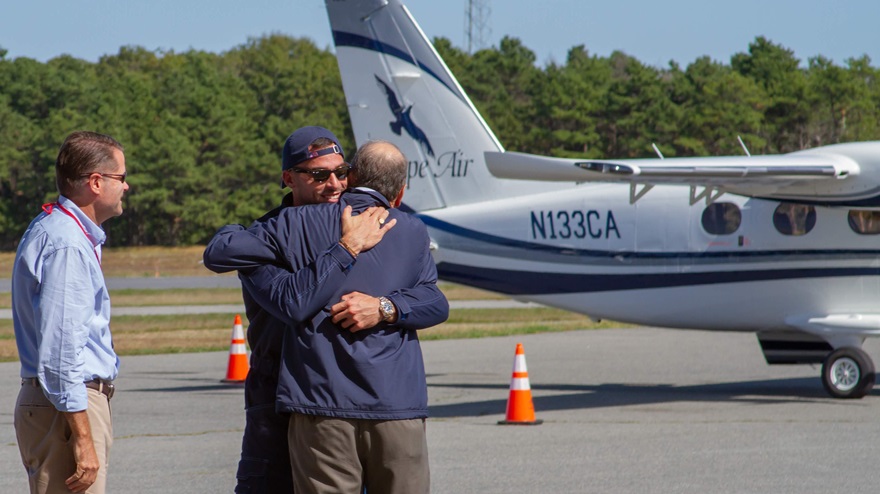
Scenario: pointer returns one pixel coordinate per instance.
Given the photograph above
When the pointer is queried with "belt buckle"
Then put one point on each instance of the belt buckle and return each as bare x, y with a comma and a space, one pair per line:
106, 388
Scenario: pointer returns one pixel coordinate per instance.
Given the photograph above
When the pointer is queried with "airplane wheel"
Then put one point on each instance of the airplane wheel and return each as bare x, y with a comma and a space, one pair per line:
848, 373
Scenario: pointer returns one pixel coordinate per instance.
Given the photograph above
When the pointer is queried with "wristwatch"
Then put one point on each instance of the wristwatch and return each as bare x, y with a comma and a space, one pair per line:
386, 308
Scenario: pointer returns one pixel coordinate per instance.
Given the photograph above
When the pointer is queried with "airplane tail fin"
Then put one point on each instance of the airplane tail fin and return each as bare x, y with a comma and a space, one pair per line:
398, 89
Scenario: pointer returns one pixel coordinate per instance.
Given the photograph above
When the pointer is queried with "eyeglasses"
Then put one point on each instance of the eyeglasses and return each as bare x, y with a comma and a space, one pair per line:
322, 174
114, 176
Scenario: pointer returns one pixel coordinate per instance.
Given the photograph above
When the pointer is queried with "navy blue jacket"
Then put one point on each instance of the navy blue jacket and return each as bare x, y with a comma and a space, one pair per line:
226, 252
376, 373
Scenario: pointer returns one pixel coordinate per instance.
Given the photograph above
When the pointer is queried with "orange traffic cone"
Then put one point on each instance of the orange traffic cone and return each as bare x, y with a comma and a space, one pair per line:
520, 410
238, 367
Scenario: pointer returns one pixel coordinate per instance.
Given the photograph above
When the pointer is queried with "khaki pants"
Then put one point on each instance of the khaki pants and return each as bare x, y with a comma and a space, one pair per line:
335, 455
44, 440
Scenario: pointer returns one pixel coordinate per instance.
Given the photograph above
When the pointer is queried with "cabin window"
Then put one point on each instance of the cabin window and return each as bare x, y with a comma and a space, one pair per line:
864, 222
794, 219
721, 218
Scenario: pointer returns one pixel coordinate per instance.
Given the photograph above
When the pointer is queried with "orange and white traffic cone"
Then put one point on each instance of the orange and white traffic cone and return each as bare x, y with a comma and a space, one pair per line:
238, 367
520, 410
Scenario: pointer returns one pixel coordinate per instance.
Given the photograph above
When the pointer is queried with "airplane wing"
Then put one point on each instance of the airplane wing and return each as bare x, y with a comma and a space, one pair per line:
843, 173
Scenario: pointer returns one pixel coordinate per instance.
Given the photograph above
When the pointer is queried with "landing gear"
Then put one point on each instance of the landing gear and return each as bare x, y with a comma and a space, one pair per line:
848, 372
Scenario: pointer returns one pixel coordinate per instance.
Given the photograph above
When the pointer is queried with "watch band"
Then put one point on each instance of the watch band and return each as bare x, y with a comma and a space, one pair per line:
387, 309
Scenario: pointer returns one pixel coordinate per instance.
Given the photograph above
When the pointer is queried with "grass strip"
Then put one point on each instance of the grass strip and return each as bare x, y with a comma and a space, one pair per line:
212, 296
143, 335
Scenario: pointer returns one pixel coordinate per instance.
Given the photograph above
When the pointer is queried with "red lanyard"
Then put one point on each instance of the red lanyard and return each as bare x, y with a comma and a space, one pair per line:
48, 209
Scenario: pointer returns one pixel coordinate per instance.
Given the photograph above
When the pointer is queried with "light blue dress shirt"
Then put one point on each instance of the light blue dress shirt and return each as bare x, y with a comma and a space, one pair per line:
61, 308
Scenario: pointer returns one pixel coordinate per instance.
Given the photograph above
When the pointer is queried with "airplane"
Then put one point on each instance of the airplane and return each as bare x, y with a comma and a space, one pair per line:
785, 246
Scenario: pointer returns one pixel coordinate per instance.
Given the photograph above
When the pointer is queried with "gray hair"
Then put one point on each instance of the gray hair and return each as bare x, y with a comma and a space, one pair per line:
380, 166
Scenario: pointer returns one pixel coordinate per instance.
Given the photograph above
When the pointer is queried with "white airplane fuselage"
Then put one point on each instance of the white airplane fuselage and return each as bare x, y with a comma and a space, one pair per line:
588, 250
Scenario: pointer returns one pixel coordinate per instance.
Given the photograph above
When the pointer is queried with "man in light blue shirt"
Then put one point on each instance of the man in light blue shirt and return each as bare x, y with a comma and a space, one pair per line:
61, 314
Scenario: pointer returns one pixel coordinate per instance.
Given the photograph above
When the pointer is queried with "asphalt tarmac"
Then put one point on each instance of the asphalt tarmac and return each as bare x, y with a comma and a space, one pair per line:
625, 411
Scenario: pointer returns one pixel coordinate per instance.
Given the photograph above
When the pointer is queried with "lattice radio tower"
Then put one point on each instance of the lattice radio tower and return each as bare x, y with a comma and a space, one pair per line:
476, 19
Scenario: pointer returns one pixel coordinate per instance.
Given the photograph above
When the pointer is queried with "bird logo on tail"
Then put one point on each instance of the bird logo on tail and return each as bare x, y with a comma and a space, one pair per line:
403, 118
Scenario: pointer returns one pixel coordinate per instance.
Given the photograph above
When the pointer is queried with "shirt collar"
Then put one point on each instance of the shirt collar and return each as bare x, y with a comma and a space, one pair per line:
372, 193
95, 233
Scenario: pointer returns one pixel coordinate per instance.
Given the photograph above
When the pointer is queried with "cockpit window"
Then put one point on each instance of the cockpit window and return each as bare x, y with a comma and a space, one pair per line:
721, 218
794, 219
864, 222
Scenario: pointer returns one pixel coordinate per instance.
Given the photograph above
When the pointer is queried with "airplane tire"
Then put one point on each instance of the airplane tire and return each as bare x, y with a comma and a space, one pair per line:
848, 373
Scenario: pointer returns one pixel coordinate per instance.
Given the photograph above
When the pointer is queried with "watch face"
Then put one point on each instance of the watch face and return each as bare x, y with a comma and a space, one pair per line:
385, 308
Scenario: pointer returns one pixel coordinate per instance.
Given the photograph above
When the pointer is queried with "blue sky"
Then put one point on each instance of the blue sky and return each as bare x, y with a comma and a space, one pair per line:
651, 31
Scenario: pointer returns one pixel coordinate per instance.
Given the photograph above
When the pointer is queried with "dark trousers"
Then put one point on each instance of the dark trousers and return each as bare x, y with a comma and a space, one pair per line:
264, 467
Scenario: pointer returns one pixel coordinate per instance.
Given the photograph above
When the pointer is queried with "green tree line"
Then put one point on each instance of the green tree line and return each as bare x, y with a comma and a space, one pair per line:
203, 131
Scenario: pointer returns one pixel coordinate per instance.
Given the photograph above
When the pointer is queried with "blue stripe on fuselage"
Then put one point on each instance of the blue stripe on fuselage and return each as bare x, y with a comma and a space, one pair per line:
514, 282
519, 282
569, 252
341, 38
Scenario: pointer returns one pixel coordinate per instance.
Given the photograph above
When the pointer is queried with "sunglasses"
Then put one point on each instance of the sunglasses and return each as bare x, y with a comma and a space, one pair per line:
114, 176
323, 174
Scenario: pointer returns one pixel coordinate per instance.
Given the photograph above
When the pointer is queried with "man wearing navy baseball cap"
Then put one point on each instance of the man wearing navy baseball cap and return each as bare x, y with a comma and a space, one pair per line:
313, 166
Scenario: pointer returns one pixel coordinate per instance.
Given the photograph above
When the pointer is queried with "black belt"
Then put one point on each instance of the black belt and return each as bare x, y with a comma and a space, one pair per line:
105, 387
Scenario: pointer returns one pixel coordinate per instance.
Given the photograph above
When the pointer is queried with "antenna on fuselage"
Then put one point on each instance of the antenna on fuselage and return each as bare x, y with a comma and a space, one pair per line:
657, 150
741, 143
